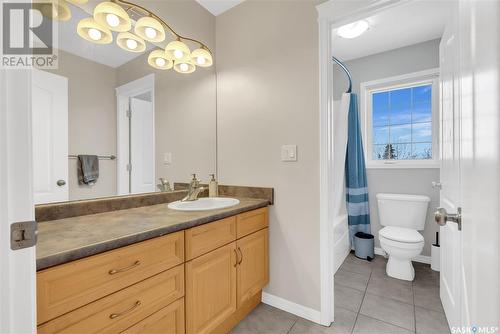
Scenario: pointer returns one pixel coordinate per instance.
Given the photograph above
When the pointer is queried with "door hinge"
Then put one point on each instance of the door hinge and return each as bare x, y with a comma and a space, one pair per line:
129, 167
23, 234
129, 113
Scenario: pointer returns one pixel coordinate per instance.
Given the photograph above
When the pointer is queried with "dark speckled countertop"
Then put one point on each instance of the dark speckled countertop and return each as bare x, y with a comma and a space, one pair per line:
65, 240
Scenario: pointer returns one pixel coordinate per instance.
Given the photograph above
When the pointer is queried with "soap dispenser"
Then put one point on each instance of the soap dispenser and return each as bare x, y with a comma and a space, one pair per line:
213, 187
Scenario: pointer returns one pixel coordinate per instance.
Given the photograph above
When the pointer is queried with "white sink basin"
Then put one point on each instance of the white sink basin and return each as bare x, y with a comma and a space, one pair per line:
204, 203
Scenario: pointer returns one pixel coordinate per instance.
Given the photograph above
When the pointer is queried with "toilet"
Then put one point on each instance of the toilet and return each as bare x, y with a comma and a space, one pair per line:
401, 216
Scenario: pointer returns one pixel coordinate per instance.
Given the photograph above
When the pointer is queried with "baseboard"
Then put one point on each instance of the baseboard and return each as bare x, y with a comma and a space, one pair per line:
419, 258
291, 307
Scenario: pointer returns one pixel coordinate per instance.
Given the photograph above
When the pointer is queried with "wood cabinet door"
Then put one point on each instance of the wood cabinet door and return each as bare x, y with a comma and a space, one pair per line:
210, 289
253, 264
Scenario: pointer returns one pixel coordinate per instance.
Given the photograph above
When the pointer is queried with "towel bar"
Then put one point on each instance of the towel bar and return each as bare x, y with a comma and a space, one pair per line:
101, 157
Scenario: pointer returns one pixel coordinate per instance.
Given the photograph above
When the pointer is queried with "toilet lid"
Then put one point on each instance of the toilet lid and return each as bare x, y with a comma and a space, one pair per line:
401, 234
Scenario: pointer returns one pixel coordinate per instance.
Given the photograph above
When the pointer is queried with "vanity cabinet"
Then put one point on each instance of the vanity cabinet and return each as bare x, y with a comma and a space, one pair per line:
223, 280
211, 289
201, 280
253, 265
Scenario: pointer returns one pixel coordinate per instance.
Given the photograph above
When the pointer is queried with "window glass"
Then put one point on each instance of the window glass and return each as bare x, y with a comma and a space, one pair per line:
402, 123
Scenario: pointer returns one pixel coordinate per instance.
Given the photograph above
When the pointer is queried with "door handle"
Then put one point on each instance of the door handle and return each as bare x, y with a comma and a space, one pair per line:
61, 183
441, 216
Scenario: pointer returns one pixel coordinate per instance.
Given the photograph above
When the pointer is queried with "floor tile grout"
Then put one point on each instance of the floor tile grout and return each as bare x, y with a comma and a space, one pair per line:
362, 300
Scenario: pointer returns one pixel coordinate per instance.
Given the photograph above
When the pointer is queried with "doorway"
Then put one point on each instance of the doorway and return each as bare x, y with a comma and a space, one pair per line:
136, 136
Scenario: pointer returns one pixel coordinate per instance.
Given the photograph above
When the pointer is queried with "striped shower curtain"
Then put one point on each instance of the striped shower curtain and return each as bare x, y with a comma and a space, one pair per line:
358, 210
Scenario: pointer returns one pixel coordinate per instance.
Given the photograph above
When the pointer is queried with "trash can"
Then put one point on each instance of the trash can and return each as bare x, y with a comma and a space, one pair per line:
364, 246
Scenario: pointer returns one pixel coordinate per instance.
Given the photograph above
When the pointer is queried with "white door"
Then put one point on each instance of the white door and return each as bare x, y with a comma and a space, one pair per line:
470, 170
17, 267
142, 173
50, 137
451, 237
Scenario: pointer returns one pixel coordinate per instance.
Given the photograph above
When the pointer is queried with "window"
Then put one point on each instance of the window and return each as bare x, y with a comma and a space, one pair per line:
400, 120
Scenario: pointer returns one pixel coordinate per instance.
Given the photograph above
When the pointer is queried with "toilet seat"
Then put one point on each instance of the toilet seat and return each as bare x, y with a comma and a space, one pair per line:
401, 234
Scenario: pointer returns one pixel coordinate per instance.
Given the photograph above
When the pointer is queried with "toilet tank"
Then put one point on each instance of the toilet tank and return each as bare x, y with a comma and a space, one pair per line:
401, 210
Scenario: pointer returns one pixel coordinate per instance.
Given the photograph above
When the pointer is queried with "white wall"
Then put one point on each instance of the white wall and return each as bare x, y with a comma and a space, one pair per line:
268, 91
409, 59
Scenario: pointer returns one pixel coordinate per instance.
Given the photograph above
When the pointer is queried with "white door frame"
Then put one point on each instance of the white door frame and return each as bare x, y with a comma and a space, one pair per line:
123, 94
332, 14
17, 268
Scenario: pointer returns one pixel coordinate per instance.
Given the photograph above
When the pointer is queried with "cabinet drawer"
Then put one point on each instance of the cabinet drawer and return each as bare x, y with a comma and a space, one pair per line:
168, 320
251, 221
122, 309
205, 238
66, 287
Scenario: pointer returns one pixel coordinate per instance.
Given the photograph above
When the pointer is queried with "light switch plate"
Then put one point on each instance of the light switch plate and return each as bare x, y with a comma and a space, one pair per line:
167, 158
289, 153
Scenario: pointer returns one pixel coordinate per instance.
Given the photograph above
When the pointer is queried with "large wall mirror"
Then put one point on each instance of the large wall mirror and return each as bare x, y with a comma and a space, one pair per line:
142, 123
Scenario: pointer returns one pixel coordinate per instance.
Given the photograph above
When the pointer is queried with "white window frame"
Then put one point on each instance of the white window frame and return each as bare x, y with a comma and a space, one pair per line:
407, 80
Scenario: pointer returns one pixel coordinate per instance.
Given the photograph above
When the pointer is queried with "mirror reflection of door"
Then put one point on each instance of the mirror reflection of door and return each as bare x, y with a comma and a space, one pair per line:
50, 137
136, 137
141, 125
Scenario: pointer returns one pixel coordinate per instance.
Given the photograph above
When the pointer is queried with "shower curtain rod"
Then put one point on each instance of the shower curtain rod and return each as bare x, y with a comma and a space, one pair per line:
346, 72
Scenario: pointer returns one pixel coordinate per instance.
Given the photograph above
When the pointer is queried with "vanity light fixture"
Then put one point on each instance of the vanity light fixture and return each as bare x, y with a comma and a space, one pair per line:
130, 42
202, 57
93, 32
114, 15
184, 66
177, 50
353, 30
159, 60
54, 9
150, 29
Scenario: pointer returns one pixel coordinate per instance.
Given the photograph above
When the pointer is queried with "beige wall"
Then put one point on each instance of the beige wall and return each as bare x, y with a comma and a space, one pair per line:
185, 105
413, 58
268, 86
91, 121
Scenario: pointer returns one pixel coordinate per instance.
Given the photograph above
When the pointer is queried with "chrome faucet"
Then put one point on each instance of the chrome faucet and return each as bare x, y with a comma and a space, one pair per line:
164, 185
194, 190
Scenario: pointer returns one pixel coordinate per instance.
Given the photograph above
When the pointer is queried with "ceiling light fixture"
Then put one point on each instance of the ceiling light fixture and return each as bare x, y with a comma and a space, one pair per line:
113, 15
353, 30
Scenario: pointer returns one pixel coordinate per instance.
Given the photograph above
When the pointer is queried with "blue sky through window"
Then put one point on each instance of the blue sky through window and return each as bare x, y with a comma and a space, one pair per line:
402, 123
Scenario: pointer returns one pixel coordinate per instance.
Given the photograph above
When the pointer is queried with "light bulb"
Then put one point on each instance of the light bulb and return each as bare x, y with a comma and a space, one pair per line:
131, 44
184, 67
201, 60
94, 34
112, 20
178, 54
150, 32
160, 62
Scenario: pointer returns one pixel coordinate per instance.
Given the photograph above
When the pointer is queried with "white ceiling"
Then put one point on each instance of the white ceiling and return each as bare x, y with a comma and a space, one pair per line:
396, 27
110, 54
217, 7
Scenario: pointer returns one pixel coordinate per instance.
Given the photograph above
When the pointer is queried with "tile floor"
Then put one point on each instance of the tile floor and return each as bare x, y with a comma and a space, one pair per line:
367, 301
